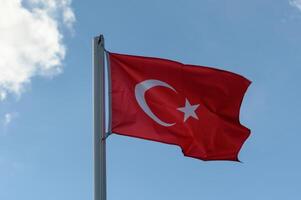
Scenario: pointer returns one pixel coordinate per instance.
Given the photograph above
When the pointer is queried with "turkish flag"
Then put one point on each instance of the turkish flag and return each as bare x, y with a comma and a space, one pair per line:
194, 107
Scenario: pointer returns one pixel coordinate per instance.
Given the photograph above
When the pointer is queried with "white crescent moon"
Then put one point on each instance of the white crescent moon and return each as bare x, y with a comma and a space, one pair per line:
140, 90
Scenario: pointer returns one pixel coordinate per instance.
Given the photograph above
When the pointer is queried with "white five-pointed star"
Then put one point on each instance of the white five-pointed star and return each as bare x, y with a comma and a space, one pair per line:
189, 110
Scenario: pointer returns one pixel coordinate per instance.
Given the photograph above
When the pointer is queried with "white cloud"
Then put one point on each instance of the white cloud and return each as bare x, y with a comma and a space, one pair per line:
57, 8
295, 3
31, 41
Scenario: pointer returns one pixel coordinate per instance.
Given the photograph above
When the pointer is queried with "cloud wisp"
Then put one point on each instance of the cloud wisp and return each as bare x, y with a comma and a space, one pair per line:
5, 122
295, 3
8, 117
31, 38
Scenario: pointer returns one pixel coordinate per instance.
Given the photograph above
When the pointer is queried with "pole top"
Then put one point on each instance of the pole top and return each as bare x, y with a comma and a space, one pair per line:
100, 40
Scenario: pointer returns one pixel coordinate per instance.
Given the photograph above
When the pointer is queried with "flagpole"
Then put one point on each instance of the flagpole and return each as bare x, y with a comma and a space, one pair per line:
100, 192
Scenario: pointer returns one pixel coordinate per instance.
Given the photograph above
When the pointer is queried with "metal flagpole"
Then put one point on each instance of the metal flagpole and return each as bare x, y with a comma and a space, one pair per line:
100, 192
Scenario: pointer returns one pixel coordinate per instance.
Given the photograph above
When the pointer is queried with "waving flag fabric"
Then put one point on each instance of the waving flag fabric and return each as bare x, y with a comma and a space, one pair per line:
194, 107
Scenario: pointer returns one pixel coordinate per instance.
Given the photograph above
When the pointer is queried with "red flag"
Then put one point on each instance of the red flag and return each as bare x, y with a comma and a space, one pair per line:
194, 107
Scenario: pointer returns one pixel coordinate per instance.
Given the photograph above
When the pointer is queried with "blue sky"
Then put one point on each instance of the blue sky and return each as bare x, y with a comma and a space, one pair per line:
46, 146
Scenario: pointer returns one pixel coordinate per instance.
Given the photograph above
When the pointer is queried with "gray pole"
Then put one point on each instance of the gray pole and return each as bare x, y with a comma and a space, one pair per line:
100, 192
